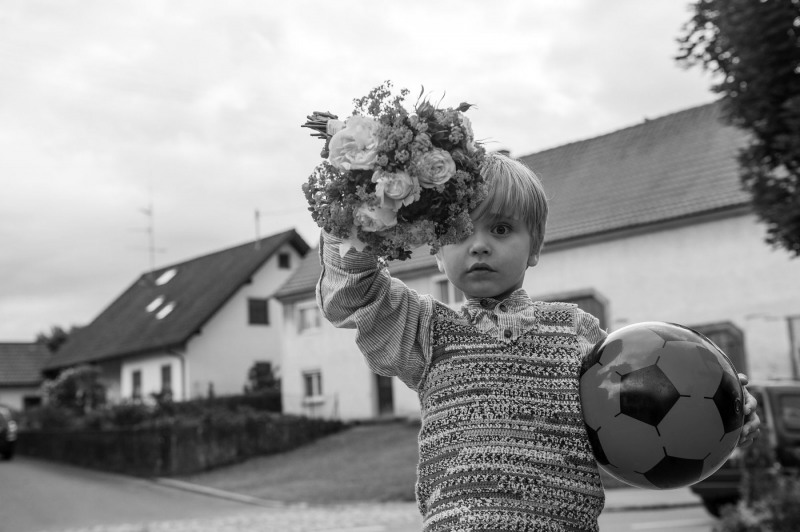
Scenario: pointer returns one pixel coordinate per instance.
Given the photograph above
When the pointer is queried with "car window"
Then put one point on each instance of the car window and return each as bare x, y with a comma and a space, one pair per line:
789, 406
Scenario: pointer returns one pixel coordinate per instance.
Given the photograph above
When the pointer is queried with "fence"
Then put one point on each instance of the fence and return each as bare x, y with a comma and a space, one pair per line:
176, 449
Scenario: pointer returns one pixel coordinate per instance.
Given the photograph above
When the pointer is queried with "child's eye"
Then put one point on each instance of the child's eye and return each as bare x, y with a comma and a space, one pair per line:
502, 229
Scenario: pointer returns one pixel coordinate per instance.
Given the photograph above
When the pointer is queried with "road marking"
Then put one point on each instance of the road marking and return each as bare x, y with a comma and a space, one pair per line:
672, 525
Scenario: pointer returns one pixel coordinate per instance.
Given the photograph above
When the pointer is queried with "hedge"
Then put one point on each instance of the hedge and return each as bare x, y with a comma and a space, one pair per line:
174, 447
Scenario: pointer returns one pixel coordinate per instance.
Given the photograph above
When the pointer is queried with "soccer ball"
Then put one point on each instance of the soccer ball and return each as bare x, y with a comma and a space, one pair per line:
662, 404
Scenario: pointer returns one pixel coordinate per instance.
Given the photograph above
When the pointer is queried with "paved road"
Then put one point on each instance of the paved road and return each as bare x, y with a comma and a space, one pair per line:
38, 496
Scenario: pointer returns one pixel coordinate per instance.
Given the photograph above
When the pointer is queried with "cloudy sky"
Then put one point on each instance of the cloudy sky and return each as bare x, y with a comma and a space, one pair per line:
108, 107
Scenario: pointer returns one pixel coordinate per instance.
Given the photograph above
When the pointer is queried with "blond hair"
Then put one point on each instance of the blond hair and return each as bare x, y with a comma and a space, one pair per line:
514, 189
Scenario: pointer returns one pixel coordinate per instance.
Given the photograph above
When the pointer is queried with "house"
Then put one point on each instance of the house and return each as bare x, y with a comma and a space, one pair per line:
191, 329
21, 373
646, 223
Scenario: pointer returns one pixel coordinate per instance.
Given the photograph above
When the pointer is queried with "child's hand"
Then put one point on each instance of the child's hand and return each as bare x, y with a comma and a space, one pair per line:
751, 420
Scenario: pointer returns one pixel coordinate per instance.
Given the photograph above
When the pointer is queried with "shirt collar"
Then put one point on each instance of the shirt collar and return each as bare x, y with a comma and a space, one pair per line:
516, 302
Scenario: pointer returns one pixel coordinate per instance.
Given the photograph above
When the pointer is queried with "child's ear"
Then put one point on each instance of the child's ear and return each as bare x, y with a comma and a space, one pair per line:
439, 262
533, 260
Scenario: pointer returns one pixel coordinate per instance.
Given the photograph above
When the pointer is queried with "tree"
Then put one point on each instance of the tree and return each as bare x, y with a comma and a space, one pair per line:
55, 339
78, 389
753, 48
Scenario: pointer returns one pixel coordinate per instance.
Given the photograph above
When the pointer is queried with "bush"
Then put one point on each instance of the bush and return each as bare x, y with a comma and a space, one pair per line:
777, 510
48, 417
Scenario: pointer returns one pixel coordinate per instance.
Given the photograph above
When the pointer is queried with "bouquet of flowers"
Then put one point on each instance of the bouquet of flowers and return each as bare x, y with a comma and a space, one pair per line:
394, 180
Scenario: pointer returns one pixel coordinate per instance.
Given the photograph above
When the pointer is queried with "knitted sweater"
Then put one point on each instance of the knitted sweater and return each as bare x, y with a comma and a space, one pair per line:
503, 446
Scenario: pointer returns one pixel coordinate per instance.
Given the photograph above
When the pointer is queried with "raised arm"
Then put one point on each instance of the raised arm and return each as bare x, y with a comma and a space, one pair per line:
392, 321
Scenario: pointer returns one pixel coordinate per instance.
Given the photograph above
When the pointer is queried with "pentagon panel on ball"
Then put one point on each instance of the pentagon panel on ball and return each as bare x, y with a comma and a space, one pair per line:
662, 404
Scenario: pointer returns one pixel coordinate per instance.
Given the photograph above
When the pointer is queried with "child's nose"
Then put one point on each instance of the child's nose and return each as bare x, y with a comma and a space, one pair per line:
478, 246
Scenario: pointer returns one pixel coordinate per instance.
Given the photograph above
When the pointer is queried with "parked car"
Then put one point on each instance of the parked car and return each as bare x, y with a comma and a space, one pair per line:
779, 410
8, 433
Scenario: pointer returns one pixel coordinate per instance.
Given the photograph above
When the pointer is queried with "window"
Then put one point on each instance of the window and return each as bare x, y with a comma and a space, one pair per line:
258, 311
730, 339
309, 318
312, 384
284, 261
166, 277
166, 379
447, 293
136, 389
165, 310
154, 304
789, 408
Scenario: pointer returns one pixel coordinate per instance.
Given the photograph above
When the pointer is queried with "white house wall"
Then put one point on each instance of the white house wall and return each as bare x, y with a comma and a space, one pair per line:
14, 396
228, 346
694, 275
348, 386
149, 367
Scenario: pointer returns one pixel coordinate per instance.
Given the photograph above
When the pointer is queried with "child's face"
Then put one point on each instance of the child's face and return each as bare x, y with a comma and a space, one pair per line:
492, 261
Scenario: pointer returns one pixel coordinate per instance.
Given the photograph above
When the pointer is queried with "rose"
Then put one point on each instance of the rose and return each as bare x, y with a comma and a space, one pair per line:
356, 146
469, 140
434, 168
372, 219
395, 189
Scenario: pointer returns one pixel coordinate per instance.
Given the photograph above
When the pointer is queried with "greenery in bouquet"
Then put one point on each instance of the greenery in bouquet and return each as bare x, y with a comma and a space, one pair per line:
395, 179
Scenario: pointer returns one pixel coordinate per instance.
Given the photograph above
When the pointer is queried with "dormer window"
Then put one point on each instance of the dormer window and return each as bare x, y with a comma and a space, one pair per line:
284, 261
166, 277
165, 310
154, 304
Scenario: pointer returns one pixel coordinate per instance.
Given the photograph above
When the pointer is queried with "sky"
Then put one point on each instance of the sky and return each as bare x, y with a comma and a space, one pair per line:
178, 120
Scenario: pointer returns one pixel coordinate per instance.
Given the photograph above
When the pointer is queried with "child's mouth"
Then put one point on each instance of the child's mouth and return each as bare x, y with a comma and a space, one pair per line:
480, 267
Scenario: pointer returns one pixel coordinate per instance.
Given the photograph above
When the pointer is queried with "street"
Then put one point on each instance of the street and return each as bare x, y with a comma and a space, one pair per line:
39, 496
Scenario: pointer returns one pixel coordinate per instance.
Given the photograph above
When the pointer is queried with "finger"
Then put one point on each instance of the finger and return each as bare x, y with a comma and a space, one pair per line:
743, 379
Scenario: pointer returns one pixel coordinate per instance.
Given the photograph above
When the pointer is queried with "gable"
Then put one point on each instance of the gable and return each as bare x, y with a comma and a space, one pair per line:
164, 308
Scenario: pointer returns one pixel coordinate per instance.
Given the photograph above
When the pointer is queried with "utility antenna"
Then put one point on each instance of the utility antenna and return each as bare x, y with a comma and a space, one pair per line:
151, 232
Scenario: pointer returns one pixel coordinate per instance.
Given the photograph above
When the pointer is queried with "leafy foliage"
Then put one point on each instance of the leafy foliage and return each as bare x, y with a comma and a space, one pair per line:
54, 339
78, 389
753, 46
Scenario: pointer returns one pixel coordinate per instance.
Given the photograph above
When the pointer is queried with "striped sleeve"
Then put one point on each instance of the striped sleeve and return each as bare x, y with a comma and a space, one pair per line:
392, 321
588, 331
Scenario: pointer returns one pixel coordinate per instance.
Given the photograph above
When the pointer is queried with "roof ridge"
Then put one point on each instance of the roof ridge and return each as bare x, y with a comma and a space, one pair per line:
274, 237
645, 122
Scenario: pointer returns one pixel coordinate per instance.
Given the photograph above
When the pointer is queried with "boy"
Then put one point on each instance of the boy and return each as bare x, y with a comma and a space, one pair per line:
502, 442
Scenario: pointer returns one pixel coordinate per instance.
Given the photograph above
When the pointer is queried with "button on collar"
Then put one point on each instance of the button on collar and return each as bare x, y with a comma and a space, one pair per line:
507, 333
503, 308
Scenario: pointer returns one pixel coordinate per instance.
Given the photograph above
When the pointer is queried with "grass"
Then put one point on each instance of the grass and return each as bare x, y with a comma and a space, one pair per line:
375, 462
364, 463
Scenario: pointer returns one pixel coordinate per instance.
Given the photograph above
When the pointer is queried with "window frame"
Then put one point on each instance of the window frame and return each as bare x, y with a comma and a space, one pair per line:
301, 311
136, 384
254, 312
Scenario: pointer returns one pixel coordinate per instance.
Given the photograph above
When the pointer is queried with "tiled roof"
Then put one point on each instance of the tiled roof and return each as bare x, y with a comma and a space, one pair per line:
21, 363
671, 167
674, 167
198, 289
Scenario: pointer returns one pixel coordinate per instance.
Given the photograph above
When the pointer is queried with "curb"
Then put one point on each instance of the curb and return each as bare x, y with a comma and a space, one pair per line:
267, 503
650, 507
222, 494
